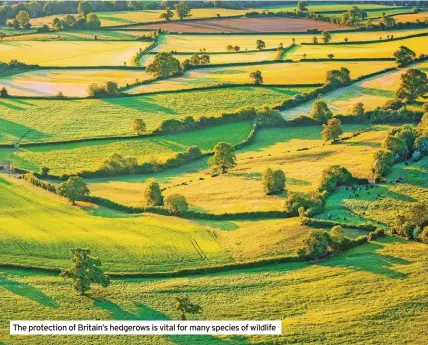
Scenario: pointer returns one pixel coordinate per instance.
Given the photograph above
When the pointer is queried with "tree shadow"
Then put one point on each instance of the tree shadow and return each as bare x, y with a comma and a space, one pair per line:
28, 291
141, 103
17, 130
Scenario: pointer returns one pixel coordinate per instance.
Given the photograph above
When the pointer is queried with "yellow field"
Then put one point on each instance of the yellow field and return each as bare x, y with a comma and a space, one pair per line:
373, 92
71, 53
281, 73
422, 16
375, 50
218, 43
72, 83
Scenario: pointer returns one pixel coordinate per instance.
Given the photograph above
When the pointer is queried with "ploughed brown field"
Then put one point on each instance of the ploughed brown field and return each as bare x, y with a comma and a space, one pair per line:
240, 25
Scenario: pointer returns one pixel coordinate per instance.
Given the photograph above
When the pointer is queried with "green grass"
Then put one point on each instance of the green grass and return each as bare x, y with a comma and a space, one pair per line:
377, 13
51, 120
326, 302
75, 157
79, 35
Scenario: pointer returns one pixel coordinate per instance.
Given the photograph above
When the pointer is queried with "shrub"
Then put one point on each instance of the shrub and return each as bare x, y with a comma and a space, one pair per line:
4, 93
164, 65
320, 111
312, 202
382, 163
423, 236
416, 156
337, 77
152, 193
110, 89
176, 204
358, 109
315, 245
273, 181
397, 146
334, 176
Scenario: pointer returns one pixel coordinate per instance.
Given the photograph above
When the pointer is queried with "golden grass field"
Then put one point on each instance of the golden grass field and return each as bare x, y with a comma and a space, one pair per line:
72, 83
421, 16
218, 43
278, 73
77, 53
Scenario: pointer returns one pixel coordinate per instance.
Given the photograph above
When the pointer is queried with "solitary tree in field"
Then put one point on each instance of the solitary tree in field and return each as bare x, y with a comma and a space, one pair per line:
3, 93
332, 131
223, 159
260, 45
23, 18
358, 109
236, 48
184, 306
74, 189
229, 48
139, 126
182, 10
330, 56
315, 40
346, 39
326, 37
404, 56
168, 14
164, 65
256, 77
414, 83
302, 5
273, 181
320, 111
2, 35
85, 271
176, 204
84, 8
152, 193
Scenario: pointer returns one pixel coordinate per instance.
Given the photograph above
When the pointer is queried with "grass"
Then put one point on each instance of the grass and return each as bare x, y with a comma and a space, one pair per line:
378, 13
372, 92
72, 83
299, 152
78, 35
76, 53
284, 73
377, 50
322, 302
72, 158
218, 43
52, 120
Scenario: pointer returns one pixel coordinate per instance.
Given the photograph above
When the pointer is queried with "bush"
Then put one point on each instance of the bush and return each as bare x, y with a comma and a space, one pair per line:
382, 163
152, 193
315, 245
176, 204
110, 89
376, 234
397, 146
320, 111
312, 202
273, 181
334, 176
423, 236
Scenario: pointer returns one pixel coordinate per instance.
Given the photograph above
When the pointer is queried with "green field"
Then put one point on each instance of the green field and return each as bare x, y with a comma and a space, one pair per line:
76, 53
75, 157
79, 35
372, 92
281, 73
377, 13
73, 119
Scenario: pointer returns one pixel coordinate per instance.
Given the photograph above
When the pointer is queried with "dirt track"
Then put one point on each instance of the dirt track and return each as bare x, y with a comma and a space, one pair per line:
242, 25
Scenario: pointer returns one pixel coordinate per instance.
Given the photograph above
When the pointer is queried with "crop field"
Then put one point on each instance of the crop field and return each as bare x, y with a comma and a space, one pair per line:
76, 157
372, 92
72, 83
378, 12
215, 43
422, 16
76, 119
79, 35
348, 51
74, 53
315, 6
278, 73
236, 25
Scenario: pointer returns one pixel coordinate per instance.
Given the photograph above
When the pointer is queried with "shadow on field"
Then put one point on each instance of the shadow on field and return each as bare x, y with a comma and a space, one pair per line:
143, 103
144, 312
368, 259
28, 291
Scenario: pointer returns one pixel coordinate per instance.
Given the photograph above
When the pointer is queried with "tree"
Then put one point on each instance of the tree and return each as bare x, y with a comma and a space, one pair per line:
256, 77
84, 8
168, 14
92, 21
346, 39
85, 271
23, 18
326, 37
260, 45
69, 21
176, 204
315, 245
152, 193
397, 146
423, 236
386, 21
404, 56
74, 189
358, 109
273, 181
185, 306
139, 126
229, 48
320, 111
337, 232
182, 10
236, 48
223, 159
315, 40
382, 163
330, 56
4, 93
332, 131
164, 65
302, 5
2, 35
338, 76
57, 24
414, 83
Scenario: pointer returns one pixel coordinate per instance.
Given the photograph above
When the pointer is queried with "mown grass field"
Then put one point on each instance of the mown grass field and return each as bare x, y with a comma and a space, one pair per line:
280, 73
319, 303
72, 83
53, 120
75, 53
348, 51
75, 157
299, 152
217, 43
372, 92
